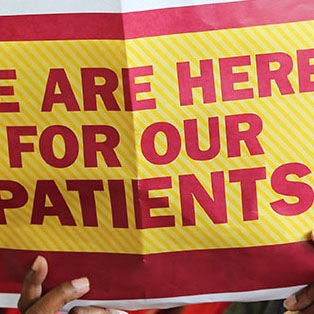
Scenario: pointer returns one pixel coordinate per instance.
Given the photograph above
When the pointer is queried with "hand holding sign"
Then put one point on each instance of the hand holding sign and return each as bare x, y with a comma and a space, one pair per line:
32, 301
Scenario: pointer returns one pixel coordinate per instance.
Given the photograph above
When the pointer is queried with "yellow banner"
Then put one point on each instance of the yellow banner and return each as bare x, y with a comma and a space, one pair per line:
208, 145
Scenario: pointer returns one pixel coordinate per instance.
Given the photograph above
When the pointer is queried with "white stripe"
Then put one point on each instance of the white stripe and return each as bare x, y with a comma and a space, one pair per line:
135, 5
10, 300
247, 296
19, 7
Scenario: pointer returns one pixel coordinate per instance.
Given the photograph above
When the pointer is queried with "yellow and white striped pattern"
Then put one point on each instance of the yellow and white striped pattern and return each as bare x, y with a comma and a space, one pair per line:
287, 137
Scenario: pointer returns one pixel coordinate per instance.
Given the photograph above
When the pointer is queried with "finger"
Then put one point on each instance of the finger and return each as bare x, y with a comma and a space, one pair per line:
89, 310
56, 298
94, 310
32, 285
301, 299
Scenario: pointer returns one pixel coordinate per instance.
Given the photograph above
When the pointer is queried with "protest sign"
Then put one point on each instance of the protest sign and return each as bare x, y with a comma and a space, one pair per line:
164, 151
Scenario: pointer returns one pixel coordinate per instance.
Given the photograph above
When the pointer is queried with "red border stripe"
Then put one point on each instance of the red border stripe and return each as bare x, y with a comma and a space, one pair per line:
127, 276
154, 22
61, 27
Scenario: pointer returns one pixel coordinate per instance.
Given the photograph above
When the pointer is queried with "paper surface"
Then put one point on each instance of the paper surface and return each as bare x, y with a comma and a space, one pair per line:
14, 7
159, 152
